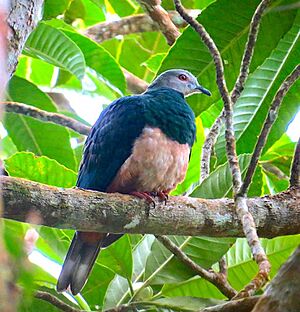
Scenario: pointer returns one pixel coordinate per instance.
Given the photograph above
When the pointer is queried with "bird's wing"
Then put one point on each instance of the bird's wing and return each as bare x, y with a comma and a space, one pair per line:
110, 142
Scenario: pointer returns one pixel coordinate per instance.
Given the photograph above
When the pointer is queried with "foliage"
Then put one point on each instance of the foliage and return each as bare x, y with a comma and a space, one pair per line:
58, 56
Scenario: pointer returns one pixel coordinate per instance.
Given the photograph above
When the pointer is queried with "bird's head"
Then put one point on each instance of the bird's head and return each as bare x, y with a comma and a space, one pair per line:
179, 80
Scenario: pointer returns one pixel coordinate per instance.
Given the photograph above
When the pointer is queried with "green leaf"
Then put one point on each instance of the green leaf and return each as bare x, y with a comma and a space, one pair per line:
124, 7
118, 290
97, 58
154, 61
29, 134
96, 287
162, 267
118, 257
40, 169
184, 303
52, 45
53, 8
241, 267
219, 183
230, 35
194, 287
252, 106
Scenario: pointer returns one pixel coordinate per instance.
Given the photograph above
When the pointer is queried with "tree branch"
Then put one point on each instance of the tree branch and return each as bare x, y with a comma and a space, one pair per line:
215, 278
161, 18
27, 110
240, 202
116, 213
134, 84
270, 119
295, 170
42, 295
130, 25
237, 89
20, 28
241, 305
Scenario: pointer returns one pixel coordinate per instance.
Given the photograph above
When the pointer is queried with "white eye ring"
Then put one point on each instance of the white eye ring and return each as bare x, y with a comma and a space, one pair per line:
182, 77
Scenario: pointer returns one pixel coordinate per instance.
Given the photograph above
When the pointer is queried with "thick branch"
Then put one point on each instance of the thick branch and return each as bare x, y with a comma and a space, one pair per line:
161, 18
22, 19
94, 211
270, 119
27, 110
129, 25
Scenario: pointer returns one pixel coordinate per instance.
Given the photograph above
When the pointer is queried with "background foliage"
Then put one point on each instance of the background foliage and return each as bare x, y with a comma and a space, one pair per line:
59, 57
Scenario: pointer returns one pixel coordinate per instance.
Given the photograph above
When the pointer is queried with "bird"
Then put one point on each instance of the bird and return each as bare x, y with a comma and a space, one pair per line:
140, 145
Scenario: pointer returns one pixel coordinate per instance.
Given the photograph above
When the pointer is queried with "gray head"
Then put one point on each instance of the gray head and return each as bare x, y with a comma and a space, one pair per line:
179, 80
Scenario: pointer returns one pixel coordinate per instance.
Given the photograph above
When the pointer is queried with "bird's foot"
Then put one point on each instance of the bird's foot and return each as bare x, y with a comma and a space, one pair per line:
163, 196
148, 197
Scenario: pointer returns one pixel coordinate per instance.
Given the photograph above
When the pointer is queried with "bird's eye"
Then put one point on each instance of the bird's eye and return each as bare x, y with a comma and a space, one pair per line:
182, 77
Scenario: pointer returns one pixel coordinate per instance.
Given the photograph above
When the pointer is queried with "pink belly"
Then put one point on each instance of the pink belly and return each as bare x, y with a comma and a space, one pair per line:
157, 164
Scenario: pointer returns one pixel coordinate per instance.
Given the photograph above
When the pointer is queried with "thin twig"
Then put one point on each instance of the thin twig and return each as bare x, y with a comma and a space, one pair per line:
42, 295
223, 267
161, 17
270, 119
27, 110
241, 305
249, 49
240, 202
215, 278
135, 84
237, 89
295, 170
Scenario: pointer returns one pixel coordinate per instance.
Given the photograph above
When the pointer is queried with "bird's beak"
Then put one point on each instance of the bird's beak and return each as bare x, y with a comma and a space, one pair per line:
203, 90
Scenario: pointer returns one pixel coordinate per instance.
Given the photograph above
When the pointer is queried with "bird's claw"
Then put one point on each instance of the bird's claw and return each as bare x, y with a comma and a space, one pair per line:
148, 197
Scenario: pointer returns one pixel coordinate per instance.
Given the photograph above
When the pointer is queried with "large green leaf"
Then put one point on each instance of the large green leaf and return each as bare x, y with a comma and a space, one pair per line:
53, 8
118, 257
52, 45
195, 287
118, 290
227, 22
29, 134
260, 88
242, 268
40, 169
162, 267
100, 60
219, 183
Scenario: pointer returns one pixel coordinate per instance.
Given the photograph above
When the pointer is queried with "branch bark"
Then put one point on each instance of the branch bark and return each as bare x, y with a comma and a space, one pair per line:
22, 18
42, 295
59, 119
95, 211
295, 170
161, 18
129, 25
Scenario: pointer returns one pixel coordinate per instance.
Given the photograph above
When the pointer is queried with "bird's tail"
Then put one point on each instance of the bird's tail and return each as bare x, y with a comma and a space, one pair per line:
79, 261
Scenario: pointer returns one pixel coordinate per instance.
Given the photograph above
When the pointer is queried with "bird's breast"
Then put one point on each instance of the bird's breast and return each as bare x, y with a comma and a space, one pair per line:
157, 163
